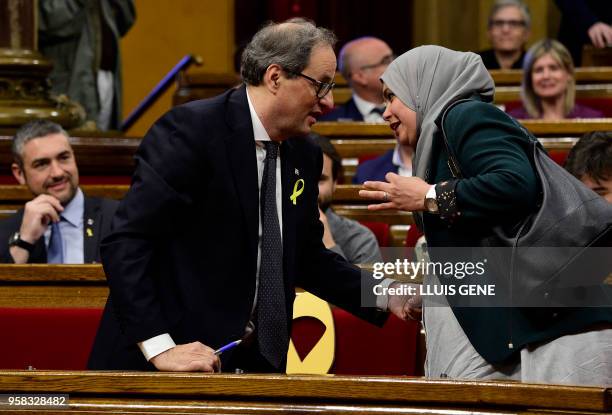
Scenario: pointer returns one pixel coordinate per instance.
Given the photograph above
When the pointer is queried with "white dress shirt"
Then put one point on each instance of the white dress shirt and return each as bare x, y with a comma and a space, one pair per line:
366, 107
403, 169
71, 229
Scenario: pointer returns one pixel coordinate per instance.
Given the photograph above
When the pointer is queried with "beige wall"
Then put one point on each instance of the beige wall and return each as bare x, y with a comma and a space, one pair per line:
164, 32
462, 24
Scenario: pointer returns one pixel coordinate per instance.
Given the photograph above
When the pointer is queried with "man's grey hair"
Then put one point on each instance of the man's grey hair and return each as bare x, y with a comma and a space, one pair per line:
31, 130
500, 4
288, 46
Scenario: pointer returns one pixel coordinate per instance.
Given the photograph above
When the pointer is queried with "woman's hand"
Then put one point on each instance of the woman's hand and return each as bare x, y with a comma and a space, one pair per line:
404, 193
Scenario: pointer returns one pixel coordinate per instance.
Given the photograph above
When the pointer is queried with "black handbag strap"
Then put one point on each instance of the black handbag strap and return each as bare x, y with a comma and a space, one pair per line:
453, 164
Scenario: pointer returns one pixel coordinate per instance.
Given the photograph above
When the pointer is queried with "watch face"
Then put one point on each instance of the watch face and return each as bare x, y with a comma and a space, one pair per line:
13, 239
431, 204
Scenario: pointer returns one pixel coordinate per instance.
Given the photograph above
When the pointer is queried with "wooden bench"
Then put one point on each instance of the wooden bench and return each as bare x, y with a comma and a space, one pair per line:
166, 393
593, 82
108, 160
346, 202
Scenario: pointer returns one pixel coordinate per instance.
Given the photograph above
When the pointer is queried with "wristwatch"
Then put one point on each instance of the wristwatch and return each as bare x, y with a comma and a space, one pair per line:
15, 240
431, 203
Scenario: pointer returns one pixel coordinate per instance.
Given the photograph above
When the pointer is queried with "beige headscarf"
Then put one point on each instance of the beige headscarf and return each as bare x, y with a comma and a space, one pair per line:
428, 78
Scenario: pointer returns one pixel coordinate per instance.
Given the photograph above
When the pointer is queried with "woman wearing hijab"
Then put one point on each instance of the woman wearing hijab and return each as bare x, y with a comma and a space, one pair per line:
499, 187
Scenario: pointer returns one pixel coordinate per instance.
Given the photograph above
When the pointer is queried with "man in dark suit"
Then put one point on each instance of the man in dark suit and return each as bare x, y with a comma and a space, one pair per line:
361, 62
215, 232
60, 225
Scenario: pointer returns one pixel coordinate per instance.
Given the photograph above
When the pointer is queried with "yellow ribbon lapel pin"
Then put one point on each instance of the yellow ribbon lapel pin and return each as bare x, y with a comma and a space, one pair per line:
298, 189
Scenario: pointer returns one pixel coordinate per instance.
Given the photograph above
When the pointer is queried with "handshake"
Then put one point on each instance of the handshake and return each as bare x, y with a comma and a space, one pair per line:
404, 306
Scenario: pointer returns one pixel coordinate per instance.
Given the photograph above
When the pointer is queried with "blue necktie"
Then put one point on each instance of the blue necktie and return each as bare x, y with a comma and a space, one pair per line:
273, 334
55, 251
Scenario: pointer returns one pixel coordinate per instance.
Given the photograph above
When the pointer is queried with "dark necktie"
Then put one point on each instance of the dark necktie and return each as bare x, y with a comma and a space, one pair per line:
378, 110
273, 334
55, 254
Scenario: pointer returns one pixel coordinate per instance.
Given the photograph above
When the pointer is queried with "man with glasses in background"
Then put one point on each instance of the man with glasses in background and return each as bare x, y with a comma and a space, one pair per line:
362, 61
222, 222
509, 29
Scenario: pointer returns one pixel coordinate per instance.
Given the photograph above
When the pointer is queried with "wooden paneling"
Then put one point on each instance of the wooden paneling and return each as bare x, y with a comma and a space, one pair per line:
163, 33
115, 392
42, 285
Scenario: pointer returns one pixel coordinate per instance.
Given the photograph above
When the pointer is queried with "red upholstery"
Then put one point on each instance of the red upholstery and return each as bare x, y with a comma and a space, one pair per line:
559, 156
412, 236
365, 157
58, 338
61, 339
380, 230
364, 349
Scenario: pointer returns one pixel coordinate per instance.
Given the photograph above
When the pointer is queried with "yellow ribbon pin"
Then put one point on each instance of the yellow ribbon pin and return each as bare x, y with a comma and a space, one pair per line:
89, 232
297, 191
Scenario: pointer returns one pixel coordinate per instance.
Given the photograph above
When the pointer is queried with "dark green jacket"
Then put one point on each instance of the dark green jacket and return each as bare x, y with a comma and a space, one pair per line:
499, 188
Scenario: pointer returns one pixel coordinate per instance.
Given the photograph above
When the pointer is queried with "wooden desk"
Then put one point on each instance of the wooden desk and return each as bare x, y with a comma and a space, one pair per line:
42, 285
139, 392
539, 128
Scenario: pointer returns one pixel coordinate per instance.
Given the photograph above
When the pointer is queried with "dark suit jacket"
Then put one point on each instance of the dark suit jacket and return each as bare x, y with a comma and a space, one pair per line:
490, 61
182, 256
98, 211
346, 112
375, 169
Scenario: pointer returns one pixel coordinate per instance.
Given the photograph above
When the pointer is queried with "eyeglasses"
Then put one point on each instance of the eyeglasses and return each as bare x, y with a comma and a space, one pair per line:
321, 88
386, 60
514, 24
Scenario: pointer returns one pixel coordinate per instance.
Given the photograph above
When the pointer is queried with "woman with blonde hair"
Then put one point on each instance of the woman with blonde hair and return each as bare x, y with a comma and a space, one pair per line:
548, 89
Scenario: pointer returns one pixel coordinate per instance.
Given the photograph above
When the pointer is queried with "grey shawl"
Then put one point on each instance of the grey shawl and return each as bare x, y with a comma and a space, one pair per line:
428, 78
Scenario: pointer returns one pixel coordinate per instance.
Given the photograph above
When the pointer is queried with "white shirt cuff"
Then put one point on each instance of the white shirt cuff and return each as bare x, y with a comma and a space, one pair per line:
156, 345
382, 301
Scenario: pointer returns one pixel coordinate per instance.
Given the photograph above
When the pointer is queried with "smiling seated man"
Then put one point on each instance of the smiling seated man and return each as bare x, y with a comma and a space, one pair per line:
60, 225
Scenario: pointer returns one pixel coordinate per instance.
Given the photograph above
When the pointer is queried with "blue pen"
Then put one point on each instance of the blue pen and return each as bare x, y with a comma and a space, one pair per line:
227, 347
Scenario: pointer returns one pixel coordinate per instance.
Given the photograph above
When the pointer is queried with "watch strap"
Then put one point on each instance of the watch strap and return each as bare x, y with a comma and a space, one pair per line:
16, 240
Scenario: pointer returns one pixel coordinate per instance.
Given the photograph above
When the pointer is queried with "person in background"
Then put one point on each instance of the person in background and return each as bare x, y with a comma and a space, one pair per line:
590, 161
356, 243
548, 89
508, 31
60, 225
584, 22
397, 160
361, 62
82, 40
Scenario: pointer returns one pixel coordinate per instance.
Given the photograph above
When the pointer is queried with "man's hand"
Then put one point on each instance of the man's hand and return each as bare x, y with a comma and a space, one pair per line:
191, 357
405, 306
328, 238
404, 193
600, 34
37, 215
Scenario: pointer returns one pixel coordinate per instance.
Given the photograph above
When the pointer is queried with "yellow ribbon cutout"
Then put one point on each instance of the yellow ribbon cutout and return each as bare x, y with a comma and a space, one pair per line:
296, 191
